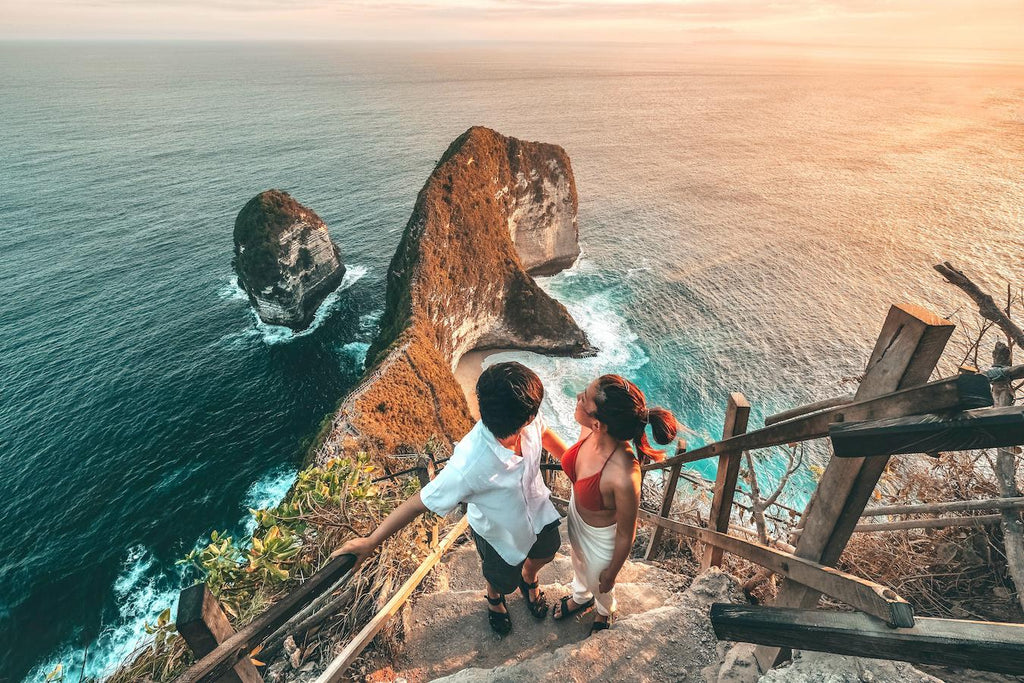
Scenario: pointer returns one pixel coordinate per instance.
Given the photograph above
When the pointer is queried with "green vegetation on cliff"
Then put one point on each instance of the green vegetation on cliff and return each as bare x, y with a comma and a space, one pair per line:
257, 234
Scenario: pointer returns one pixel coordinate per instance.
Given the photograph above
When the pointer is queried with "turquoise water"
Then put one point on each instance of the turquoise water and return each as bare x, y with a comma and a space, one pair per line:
744, 227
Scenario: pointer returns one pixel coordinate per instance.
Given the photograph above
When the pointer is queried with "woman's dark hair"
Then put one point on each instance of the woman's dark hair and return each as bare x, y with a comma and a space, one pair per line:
622, 407
509, 395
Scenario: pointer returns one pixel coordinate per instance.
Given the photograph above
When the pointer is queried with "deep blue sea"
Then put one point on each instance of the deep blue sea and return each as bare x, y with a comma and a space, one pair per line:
744, 227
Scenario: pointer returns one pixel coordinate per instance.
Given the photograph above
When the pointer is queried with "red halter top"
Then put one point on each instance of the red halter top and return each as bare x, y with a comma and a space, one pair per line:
588, 489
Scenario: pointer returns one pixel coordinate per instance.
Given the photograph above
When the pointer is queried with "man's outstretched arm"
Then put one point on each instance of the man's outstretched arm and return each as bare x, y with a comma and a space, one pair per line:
553, 444
362, 548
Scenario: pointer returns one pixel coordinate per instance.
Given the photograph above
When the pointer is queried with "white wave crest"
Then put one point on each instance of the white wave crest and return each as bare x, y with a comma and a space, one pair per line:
266, 492
278, 334
141, 592
619, 352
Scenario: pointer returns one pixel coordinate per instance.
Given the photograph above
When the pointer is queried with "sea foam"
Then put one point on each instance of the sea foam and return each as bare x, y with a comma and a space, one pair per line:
143, 590
278, 334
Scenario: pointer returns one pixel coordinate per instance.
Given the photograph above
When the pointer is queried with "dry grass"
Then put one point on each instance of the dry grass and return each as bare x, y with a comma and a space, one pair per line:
954, 572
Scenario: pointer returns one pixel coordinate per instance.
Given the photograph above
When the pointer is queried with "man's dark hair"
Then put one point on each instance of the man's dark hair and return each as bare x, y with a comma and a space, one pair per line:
509, 395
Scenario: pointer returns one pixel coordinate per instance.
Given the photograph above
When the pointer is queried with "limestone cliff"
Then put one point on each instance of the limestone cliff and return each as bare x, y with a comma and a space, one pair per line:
542, 207
458, 282
285, 259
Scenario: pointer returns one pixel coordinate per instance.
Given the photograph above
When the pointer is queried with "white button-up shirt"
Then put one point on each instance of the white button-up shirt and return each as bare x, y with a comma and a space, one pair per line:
506, 500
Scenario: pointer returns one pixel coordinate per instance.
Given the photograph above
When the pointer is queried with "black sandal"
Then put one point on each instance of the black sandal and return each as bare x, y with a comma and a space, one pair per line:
500, 622
600, 625
539, 607
565, 613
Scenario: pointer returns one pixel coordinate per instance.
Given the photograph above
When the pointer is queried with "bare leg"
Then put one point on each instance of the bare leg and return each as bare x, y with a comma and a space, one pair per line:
494, 595
530, 569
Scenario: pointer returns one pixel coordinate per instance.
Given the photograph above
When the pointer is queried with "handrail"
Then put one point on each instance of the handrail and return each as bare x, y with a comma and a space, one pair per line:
799, 411
225, 655
867, 596
336, 669
960, 392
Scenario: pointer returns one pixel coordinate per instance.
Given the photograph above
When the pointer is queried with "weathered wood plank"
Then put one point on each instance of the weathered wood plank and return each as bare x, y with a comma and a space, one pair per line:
950, 506
336, 669
202, 623
906, 351
227, 654
667, 499
862, 594
807, 409
737, 414
980, 645
962, 392
968, 430
936, 523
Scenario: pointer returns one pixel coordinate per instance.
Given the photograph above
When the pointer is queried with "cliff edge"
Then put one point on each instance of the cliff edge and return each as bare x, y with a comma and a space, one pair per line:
458, 282
285, 259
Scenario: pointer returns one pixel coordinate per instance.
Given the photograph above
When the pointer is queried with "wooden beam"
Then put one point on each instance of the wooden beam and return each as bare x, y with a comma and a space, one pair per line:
229, 652
906, 351
807, 409
202, 623
951, 506
979, 645
962, 392
336, 669
936, 523
737, 413
969, 430
862, 594
667, 499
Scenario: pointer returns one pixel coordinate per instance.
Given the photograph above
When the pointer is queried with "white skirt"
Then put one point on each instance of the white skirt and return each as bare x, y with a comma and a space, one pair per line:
592, 549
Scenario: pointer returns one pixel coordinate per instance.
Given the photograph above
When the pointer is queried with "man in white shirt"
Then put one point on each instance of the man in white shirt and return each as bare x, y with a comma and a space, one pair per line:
495, 470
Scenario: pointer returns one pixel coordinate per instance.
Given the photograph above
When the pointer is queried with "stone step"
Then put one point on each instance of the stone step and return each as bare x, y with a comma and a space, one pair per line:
447, 631
673, 642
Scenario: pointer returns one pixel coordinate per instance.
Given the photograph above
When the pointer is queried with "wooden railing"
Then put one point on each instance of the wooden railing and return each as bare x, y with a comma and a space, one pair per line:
223, 655
875, 423
895, 386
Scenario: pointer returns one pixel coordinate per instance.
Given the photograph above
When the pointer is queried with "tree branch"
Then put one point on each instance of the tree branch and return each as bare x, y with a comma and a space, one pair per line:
986, 304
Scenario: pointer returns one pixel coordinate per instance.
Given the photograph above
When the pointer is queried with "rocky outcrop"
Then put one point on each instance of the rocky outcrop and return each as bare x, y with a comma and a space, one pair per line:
285, 259
542, 207
458, 282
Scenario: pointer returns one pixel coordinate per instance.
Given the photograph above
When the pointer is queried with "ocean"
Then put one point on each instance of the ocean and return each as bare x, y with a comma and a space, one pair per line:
745, 225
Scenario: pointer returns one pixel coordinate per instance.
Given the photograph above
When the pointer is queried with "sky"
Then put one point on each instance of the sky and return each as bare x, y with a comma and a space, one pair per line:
979, 28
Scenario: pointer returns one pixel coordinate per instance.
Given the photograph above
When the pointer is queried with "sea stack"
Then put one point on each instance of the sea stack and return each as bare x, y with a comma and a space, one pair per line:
285, 259
459, 282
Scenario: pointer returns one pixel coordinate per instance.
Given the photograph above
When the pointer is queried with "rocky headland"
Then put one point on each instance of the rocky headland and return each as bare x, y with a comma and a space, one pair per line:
493, 210
285, 259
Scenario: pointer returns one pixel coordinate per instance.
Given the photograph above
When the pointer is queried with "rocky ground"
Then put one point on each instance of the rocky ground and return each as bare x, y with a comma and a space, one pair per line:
662, 634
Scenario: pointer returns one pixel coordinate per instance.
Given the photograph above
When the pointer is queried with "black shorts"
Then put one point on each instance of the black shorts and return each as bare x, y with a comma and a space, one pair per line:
505, 577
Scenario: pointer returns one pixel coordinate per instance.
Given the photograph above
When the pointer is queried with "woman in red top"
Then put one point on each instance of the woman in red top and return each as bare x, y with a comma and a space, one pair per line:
604, 467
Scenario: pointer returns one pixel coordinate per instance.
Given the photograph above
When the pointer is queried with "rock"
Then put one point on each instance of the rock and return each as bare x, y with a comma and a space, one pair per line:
542, 206
738, 666
458, 282
285, 259
818, 667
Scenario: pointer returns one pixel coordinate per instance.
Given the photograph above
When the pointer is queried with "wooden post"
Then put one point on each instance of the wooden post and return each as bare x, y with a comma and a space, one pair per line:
737, 412
668, 497
909, 346
425, 471
202, 623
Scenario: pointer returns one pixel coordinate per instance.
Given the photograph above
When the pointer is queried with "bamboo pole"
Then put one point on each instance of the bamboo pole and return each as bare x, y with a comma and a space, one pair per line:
336, 670
936, 523
953, 506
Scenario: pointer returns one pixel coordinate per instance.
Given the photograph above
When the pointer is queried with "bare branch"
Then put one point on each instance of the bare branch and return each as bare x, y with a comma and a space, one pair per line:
986, 304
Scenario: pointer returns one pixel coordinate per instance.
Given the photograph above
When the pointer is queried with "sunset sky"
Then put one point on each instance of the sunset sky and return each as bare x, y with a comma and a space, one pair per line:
979, 27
